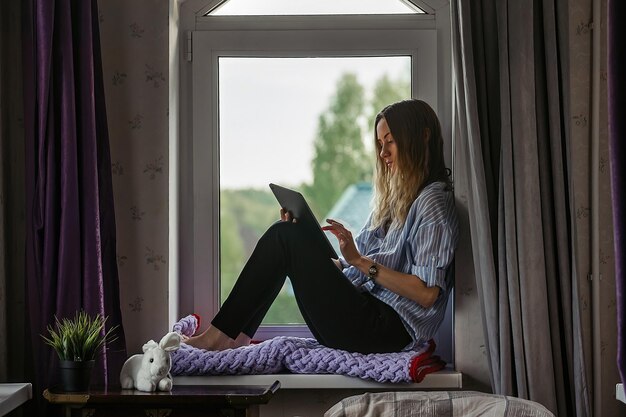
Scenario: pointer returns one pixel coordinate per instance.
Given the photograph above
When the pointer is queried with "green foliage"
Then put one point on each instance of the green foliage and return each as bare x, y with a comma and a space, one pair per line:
232, 246
340, 158
254, 209
79, 338
245, 215
386, 91
284, 310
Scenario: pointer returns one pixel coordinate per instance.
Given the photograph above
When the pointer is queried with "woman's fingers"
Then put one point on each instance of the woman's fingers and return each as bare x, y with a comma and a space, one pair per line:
286, 216
336, 224
344, 236
340, 227
340, 232
331, 230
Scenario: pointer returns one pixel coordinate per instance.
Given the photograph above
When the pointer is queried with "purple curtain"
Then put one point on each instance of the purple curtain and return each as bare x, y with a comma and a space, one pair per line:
70, 222
616, 11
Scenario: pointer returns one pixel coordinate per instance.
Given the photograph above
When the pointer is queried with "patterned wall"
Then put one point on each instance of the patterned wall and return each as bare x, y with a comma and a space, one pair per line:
580, 33
135, 58
470, 347
134, 38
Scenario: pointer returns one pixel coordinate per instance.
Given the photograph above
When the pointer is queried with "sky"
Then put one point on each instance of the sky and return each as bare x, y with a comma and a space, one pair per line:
254, 7
269, 109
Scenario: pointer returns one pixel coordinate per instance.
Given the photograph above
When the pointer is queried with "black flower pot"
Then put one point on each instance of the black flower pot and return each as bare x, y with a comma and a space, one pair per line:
75, 375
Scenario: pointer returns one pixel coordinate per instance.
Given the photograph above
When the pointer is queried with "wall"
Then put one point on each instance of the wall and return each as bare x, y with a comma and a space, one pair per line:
470, 350
134, 38
581, 48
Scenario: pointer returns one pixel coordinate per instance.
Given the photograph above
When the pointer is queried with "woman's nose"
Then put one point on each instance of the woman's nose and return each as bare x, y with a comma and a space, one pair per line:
383, 151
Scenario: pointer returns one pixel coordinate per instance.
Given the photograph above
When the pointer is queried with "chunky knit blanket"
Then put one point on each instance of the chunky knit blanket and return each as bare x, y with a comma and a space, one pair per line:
301, 356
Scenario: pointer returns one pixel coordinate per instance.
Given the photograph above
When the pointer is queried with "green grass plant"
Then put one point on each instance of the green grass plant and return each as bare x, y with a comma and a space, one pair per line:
80, 337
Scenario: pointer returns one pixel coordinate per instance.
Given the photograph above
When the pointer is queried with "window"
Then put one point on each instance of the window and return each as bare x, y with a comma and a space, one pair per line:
296, 109
245, 74
312, 7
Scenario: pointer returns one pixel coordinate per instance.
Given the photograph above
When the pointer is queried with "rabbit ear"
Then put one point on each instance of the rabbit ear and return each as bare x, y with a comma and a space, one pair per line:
149, 345
170, 342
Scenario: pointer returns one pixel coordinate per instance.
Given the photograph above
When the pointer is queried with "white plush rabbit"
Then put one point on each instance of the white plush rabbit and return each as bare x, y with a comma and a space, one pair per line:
150, 371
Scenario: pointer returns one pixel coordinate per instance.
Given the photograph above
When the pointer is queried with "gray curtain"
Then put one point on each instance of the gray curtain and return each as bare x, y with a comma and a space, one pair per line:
510, 132
12, 289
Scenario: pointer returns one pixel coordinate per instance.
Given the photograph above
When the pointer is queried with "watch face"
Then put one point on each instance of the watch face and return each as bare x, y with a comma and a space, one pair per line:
373, 270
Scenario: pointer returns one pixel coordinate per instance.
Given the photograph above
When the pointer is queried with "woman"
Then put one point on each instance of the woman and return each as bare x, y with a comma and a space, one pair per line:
388, 292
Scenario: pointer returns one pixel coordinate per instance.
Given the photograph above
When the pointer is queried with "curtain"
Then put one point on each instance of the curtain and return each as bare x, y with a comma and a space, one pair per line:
616, 11
510, 128
12, 288
3, 245
70, 223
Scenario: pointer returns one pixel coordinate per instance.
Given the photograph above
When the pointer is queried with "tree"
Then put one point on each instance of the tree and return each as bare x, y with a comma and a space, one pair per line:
387, 91
231, 246
340, 157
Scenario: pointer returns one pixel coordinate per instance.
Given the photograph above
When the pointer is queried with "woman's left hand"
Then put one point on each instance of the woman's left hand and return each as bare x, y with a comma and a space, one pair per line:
346, 241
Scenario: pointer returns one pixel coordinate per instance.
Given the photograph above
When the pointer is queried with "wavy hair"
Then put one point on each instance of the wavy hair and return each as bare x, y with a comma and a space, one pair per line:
419, 161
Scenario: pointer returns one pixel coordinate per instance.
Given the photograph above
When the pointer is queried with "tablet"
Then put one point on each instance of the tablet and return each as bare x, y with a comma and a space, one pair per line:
295, 203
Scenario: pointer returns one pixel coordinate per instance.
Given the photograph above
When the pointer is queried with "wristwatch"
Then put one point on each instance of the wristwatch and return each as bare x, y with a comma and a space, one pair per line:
372, 272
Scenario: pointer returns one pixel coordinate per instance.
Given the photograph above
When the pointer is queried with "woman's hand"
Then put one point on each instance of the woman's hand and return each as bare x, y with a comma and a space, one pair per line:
406, 285
346, 241
286, 216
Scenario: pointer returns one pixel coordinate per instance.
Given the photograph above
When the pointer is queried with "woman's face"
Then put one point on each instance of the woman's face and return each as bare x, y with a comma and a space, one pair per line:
388, 149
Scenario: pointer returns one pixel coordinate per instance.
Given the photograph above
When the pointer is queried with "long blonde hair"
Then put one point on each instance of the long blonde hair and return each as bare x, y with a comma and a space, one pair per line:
419, 161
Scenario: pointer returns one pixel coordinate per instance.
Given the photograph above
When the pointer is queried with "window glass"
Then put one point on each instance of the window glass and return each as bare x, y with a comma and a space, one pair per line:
313, 7
304, 123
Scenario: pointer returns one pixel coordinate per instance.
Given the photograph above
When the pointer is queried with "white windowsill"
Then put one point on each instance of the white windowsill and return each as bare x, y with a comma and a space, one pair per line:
619, 392
445, 379
13, 395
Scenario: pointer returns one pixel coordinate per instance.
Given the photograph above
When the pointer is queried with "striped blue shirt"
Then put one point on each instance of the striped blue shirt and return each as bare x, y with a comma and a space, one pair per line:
424, 246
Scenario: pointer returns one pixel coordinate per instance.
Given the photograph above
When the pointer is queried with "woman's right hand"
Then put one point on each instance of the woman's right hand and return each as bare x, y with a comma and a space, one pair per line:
347, 246
286, 216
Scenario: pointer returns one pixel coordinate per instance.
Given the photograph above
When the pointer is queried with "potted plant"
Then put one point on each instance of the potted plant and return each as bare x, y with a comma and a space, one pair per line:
76, 341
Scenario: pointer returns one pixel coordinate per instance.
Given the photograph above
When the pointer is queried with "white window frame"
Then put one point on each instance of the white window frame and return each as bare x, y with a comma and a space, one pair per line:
209, 38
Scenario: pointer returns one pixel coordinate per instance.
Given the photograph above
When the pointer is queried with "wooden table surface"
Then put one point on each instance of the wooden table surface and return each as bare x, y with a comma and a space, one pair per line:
181, 395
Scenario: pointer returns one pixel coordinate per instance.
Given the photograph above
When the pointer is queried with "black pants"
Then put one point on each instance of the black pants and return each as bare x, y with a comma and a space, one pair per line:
338, 315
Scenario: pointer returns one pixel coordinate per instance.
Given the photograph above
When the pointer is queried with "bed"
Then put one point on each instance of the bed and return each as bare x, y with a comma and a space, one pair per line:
436, 404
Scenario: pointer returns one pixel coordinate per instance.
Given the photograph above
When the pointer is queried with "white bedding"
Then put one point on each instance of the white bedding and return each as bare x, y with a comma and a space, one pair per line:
436, 404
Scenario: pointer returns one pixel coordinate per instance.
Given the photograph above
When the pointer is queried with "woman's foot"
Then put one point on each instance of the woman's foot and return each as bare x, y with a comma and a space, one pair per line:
211, 339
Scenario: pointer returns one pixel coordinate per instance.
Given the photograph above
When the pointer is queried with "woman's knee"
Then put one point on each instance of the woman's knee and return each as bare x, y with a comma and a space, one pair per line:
288, 238
281, 230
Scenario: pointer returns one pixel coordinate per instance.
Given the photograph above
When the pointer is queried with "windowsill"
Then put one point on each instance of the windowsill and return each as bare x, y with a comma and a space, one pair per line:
14, 395
444, 379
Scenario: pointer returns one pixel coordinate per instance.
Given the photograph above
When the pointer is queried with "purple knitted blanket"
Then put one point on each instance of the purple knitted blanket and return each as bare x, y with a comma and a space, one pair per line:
301, 356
